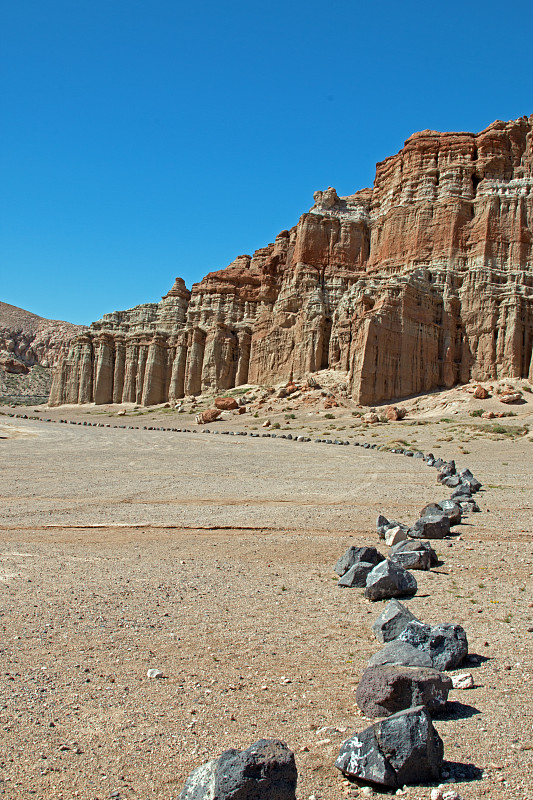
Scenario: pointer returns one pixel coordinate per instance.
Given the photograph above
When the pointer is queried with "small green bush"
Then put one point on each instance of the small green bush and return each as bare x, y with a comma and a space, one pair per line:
329, 416
477, 412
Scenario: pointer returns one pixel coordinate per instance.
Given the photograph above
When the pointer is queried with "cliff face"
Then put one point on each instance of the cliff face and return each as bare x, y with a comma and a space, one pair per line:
423, 281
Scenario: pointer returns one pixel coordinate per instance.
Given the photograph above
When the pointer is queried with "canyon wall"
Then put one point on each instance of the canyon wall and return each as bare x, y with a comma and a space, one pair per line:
424, 281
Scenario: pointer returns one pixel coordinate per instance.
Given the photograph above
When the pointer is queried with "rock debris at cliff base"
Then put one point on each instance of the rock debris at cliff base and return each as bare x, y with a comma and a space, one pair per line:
422, 282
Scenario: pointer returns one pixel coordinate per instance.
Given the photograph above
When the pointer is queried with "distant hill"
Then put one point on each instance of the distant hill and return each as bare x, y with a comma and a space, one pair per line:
29, 347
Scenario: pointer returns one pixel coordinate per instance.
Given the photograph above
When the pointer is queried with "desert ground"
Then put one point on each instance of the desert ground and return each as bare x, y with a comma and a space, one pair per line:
210, 558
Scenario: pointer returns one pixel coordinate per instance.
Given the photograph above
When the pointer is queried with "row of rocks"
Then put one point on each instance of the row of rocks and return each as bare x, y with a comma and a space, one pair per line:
405, 681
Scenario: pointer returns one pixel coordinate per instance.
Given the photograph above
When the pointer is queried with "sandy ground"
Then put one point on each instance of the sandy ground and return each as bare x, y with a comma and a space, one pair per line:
210, 558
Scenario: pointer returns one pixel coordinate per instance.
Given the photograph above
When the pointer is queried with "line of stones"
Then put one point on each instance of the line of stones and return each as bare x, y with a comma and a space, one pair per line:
403, 682
402, 748
416, 454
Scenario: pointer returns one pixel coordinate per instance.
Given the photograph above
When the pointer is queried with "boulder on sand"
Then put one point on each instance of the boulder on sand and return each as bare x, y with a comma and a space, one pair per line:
434, 526
392, 620
356, 554
383, 525
387, 689
226, 403
399, 552
264, 771
207, 416
356, 576
401, 653
401, 749
388, 579
446, 644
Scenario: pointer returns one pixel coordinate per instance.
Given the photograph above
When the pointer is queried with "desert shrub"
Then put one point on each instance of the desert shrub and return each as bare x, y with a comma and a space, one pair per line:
329, 416
477, 412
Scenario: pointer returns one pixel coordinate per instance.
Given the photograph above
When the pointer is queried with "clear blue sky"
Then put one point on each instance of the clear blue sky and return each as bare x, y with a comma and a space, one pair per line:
144, 139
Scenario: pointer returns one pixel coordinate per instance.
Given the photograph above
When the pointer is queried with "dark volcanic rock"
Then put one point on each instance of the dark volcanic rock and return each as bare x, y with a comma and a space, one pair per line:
414, 545
356, 576
436, 526
452, 509
387, 689
446, 644
264, 771
356, 554
404, 748
392, 620
402, 654
388, 579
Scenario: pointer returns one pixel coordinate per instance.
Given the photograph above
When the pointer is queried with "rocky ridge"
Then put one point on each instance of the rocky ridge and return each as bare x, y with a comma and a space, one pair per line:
422, 282
28, 341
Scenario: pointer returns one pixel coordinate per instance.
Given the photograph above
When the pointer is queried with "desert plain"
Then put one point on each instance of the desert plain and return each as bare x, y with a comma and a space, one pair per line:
209, 557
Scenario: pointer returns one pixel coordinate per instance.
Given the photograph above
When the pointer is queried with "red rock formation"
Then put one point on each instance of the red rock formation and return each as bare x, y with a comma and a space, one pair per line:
423, 281
226, 403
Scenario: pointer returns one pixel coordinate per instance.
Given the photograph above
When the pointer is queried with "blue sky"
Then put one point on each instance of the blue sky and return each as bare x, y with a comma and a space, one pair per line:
143, 140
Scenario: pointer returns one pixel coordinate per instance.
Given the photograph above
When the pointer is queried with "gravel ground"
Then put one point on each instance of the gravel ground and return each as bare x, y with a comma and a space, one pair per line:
210, 558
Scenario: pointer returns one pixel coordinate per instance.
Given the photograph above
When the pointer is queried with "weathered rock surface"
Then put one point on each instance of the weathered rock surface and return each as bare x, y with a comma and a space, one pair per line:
401, 653
207, 416
356, 576
452, 510
414, 546
395, 413
387, 689
446, 644
401, 749
383, 525
264, 771
355, 555
421, 282
388, 579
434, 526
395, 535
513, 397
392, 620
226, 403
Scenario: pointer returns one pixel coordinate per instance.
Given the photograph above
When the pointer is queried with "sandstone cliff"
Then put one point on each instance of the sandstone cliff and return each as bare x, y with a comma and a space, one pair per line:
424, 281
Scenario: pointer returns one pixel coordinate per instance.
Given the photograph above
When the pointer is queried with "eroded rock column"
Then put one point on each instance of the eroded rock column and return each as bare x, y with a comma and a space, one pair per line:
119, 371
104, 369
155, 378
177, 378
85, 393
130, 377
193, 372
243, 363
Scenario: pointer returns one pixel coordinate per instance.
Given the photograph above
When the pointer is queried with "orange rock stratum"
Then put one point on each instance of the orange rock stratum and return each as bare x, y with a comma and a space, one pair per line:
424, 281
